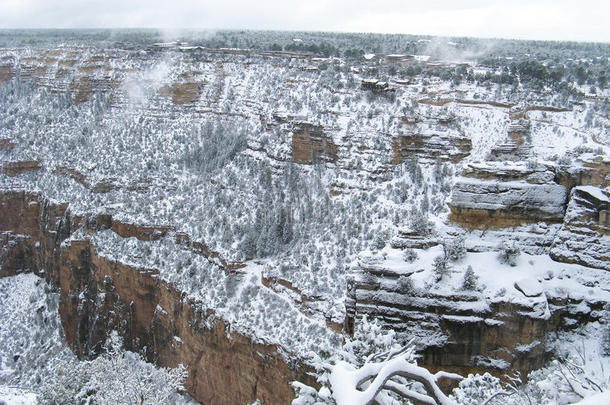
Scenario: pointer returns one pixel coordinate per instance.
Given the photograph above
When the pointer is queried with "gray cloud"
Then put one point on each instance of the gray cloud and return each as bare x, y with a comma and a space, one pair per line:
534, 19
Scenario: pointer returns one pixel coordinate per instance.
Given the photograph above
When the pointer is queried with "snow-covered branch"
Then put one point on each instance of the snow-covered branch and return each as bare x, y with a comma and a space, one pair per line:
348, 383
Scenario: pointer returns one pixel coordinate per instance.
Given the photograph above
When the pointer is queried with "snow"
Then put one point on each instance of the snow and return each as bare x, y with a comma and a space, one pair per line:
529, 287
462, 319
546, 200
239, 298
31, 338
603, 398
17, 396
344, 379
422, 58
596, 192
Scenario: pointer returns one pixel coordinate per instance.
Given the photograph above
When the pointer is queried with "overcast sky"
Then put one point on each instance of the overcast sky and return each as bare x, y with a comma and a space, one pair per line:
582, 20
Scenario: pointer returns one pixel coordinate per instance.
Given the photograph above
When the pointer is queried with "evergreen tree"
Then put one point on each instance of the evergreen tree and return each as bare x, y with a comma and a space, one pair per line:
470, 280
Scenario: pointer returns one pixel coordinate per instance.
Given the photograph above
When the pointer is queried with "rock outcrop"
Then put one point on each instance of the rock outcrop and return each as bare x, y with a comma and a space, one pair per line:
496, 195
310, 144
516, 147
588, 171
82, 89
376, 86
6, 72
183, 93
584, 237
430, 147
13, 169
463, 331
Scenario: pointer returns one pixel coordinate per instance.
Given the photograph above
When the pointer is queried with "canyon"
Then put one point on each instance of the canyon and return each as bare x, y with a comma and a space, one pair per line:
240, 211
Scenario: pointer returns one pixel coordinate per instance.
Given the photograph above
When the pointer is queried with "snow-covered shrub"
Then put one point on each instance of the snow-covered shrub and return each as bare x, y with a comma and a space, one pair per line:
68, 385
372, 368
532, 163
115, 377
306, 395
455, 249
406, 285
509, 254
379, 241
606, 341
574, 375
31, 341
476, 389
470, 282
409, 255
440, 267
369, 338
487, 389
419, 222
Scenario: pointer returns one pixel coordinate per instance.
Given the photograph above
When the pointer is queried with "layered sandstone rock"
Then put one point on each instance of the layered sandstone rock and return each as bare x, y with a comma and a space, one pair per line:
183, 93
376, 86
310, 144
82, 89
430, 146
496, 195
588, 171
62, 70
6, 72
6, 144
13, 169
411, 239
463, 331
516, 147
585, 234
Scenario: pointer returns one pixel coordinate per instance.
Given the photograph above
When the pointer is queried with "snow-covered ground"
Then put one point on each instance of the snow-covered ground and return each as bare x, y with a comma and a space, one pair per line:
17, 396
31, 336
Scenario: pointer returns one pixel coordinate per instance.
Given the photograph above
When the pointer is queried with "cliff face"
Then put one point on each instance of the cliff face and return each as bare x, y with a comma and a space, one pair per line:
494, 195
584, 237
182, 93
5, 73
13, 169
466, 331
431, 147
170, 145
98, 295
310, 144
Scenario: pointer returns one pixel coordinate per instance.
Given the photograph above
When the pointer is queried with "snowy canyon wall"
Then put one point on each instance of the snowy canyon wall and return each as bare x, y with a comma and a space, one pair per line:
98, 295
465, 332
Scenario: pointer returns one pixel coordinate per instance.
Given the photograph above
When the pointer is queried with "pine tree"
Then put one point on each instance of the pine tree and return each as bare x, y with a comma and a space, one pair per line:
470, 280
440, 267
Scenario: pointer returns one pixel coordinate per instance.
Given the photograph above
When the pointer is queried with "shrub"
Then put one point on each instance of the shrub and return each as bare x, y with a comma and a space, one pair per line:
455, 249
406, 284
419, 222
509, 254
409, 255
378, 242
440, 267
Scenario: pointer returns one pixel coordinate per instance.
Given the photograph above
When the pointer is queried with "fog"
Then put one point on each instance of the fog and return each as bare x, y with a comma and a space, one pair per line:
535, 19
